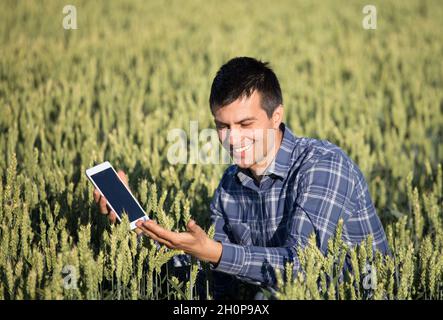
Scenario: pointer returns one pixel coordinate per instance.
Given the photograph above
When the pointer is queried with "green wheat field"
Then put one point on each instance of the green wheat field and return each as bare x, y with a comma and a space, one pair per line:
133, 70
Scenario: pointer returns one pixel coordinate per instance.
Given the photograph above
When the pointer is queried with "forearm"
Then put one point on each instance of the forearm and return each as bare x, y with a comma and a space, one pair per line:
256, 263
213, 252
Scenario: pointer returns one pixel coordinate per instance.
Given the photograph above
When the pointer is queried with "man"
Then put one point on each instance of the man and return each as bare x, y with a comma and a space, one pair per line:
281, 189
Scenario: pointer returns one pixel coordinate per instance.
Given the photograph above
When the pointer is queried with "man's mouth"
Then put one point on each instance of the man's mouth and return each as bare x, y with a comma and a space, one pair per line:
242, 149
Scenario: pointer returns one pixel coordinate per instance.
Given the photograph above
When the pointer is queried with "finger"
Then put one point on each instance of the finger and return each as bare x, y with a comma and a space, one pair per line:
103, 207
112, 216
192, 226
123, 176
151, 234
160, 232
96, 195
156, 238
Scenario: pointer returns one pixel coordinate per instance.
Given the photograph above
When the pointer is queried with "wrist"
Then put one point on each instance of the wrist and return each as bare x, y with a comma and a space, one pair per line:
216, 249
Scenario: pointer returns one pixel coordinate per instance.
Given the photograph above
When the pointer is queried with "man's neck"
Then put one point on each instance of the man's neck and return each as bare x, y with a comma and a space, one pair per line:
258, 169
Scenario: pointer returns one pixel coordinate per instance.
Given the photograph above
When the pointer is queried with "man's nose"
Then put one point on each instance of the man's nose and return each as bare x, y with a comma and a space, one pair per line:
234, 136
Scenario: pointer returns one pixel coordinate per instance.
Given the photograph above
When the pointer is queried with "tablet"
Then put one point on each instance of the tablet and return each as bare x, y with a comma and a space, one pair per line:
118, 196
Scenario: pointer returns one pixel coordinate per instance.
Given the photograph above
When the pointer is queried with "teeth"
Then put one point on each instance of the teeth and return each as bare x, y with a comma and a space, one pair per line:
245, 148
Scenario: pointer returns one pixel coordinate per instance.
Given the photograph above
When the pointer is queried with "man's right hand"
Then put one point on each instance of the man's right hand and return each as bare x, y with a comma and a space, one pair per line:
101, 200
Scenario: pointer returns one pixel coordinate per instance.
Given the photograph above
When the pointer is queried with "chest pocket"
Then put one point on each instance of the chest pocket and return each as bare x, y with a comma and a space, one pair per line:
241, 233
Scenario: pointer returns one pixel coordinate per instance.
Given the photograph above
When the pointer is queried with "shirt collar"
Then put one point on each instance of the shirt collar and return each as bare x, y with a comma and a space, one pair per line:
282, 162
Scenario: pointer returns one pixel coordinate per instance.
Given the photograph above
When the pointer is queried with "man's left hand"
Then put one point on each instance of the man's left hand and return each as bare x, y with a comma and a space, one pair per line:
194, 242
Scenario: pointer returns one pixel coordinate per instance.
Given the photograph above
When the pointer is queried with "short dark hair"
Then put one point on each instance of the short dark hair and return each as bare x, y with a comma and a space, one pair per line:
240, 77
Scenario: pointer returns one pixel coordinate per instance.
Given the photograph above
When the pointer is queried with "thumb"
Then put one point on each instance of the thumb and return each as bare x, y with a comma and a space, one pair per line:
193, 226
123, 176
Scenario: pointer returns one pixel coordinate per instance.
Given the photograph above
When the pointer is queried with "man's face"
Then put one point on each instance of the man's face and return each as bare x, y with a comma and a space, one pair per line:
245, 130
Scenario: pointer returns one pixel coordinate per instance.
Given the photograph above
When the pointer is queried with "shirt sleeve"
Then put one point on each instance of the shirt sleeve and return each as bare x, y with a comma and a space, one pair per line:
327, 189
223, 283
217, 217
323, 193
364, 219
251, 264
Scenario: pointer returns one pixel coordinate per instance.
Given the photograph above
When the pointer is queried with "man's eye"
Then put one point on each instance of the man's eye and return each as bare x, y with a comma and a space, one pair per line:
245, 125
220, 126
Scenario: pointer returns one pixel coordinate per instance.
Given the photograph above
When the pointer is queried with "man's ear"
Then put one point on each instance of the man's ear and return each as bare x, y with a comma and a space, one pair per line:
277, 116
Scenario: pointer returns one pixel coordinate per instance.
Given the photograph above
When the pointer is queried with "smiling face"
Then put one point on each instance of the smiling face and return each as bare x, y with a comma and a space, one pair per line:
245, 130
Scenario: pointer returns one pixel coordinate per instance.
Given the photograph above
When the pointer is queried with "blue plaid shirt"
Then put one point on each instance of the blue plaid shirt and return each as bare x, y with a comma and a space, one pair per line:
309, 185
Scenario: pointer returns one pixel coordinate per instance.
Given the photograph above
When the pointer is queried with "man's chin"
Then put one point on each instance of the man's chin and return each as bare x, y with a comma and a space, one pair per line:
242, 163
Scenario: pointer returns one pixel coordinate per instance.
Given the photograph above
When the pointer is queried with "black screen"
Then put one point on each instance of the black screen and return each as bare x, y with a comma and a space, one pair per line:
117, 195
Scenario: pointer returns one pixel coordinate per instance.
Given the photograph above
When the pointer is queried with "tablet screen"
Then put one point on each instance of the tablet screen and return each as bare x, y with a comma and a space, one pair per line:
117, 195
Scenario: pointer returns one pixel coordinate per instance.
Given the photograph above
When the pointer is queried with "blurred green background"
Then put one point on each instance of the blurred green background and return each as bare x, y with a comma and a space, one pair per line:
133, 70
